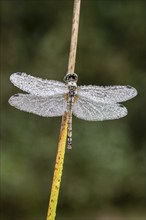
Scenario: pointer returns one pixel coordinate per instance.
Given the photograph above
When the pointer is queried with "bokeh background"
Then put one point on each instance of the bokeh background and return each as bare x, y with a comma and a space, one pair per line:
104, 173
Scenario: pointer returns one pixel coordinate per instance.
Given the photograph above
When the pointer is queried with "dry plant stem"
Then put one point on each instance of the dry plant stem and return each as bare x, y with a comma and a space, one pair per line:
63, 133
74, 36
58, 170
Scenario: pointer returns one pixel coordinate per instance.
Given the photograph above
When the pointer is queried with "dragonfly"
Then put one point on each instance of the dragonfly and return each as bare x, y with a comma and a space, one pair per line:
51, 98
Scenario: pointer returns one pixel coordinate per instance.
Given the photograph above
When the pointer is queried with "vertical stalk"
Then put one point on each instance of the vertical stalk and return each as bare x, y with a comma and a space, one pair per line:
63, 132
74, 36
58, 170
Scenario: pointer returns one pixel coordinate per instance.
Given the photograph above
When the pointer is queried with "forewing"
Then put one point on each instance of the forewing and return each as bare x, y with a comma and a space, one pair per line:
96, 111
43, 106
107, 94
37, 86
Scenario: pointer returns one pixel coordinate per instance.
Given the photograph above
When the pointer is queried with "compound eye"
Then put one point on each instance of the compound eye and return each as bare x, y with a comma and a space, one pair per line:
76, 77
71, 77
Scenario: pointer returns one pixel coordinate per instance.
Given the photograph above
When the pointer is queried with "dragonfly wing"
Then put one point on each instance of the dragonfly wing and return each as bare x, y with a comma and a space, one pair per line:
44, 106
37, 86
90, 110
107, 94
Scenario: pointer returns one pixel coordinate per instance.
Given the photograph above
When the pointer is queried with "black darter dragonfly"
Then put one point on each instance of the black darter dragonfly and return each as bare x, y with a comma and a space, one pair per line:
50, 98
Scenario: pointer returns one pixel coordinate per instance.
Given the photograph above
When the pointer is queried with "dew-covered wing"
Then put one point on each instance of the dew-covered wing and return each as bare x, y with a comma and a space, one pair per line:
37, 86
107, 94
97, 111
43, 106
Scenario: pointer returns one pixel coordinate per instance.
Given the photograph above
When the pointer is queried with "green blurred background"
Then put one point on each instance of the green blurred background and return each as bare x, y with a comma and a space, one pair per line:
104, 173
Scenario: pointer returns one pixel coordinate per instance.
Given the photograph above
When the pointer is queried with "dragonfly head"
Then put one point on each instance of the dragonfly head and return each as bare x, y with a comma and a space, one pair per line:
71, 77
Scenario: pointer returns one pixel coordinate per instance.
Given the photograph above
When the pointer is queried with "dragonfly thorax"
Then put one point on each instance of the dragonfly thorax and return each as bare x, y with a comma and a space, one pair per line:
72, 91
72, 84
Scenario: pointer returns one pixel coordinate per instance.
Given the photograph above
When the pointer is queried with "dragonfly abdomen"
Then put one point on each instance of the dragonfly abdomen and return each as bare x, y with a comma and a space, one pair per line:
69, 132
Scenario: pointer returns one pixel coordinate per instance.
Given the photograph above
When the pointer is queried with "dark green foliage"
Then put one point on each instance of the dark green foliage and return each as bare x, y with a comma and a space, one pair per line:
105, 169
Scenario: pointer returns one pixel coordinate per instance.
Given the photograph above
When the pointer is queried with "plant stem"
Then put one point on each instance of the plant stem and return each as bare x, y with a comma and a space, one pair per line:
63, 132
74, 36
58, 170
